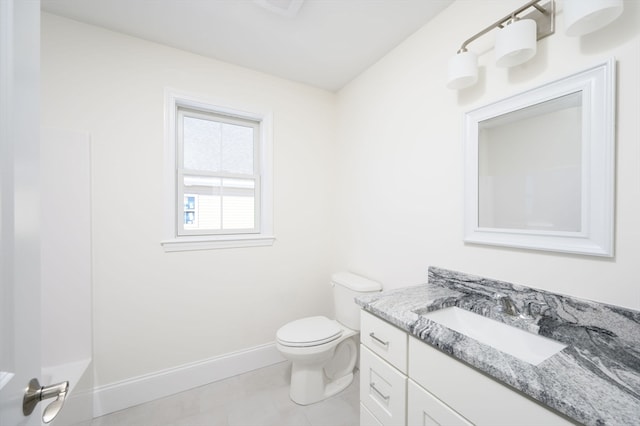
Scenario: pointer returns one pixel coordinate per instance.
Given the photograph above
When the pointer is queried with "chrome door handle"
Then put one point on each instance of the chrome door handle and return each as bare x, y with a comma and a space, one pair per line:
36, 393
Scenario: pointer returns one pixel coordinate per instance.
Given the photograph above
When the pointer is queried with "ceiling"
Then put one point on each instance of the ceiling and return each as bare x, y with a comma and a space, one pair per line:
324, 43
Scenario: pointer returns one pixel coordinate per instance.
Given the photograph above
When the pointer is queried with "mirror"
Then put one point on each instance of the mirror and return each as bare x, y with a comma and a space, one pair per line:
539, 167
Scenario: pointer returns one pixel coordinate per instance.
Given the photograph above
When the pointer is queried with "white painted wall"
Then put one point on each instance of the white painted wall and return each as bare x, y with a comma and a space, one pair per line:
401, 159
155, 310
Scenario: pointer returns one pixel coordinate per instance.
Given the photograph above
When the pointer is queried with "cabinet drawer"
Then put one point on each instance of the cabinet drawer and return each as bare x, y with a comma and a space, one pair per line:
382, 389
366, 418
479, 398
386, 340
424, 409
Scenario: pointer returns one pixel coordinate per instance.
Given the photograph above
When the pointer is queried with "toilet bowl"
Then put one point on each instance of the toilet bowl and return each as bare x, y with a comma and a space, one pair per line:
323, 351
311, 343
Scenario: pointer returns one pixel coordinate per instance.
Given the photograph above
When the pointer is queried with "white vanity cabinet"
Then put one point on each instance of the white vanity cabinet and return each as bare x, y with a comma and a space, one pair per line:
404, 381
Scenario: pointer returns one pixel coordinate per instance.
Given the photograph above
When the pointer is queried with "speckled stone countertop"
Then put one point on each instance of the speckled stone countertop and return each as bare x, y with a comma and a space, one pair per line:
595, 380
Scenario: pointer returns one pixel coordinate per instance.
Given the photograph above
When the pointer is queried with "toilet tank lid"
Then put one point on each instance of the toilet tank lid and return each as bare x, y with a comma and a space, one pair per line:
355, 282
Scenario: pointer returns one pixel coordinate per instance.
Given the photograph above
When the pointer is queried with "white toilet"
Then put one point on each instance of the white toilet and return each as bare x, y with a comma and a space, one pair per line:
324, 351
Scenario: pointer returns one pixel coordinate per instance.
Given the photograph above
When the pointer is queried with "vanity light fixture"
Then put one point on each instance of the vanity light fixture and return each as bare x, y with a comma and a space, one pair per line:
517, 37
586, 16
463, 70
515, 42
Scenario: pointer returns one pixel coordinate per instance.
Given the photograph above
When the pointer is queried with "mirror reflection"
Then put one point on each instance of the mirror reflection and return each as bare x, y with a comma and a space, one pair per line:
530, 167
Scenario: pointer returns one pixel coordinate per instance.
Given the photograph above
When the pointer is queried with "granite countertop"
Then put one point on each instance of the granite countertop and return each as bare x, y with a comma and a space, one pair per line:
595, 380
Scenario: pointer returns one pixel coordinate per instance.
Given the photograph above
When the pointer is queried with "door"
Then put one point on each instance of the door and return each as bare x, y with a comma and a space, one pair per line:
20, 321
45, 242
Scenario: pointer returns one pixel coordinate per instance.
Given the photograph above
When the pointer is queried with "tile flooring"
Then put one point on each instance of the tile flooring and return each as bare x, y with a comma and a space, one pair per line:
259, 397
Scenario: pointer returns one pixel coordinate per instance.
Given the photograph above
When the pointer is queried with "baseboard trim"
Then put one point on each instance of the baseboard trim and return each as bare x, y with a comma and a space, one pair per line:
138, 390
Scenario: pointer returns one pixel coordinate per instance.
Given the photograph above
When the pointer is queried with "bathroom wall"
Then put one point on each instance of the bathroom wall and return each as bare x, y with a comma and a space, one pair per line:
400, 151
154, 310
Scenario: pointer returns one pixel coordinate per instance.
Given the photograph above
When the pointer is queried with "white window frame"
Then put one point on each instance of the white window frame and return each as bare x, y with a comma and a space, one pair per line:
183, 112
263, 234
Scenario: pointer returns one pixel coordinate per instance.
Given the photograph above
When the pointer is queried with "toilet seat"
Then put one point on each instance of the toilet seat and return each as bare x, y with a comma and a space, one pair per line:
310, 331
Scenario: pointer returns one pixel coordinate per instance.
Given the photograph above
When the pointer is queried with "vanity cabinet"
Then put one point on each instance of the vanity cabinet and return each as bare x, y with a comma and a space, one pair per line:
404, 381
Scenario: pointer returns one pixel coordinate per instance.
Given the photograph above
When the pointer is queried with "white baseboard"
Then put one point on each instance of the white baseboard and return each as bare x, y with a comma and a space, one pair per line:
127, 393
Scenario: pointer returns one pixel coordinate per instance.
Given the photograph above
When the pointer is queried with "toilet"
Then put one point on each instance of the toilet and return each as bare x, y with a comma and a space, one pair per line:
323, 351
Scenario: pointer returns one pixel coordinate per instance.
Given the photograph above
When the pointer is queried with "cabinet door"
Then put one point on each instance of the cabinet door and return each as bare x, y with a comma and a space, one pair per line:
385, 340
476, 396
424, 409
382, 389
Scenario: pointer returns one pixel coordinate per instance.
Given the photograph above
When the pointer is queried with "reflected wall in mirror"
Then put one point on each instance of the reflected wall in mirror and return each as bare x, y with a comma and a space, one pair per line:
532, 180
539, 167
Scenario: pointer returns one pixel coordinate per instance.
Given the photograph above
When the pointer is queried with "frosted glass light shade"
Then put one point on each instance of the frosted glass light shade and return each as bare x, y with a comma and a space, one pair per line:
585, 16
463, 70
516, 43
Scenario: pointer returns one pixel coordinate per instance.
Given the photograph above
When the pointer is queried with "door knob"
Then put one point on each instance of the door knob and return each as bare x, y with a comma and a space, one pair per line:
36, 393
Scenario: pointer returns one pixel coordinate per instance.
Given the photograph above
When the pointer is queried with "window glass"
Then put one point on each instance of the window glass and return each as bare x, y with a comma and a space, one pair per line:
207, 211
202, 144
219, 177
237, 149
238, 204
212, 203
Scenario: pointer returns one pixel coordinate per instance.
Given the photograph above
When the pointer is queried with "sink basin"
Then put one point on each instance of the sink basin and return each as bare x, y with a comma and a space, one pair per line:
526, 346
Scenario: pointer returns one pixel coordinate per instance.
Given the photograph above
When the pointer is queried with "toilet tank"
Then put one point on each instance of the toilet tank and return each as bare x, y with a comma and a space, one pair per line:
347, 286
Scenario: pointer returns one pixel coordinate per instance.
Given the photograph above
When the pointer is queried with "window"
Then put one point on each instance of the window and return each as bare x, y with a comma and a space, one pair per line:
218, 176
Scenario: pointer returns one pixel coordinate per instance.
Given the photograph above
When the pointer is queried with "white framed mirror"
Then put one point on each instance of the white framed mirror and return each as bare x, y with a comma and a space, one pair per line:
539, 167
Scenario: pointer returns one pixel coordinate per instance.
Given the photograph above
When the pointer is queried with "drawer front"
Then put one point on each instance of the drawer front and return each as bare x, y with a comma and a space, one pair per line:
386, 340
424, 409
366, 418
382, 389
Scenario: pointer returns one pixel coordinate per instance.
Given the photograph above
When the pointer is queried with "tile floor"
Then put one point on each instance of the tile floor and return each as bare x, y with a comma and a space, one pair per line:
259, 397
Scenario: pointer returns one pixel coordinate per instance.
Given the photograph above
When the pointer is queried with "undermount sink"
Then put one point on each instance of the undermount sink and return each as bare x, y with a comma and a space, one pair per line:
526, 346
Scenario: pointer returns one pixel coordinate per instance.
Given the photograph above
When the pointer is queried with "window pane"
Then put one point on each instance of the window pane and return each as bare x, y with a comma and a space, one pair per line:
190, 208
212, 203
201, 144
207, 203
238, 205
210, 212
237, 149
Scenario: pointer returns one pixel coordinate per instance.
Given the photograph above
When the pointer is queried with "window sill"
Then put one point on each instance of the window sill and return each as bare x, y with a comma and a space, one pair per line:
216, 242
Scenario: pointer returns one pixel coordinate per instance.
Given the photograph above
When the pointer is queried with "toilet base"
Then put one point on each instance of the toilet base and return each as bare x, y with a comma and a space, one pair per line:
309, 388
338, 385
318, 378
